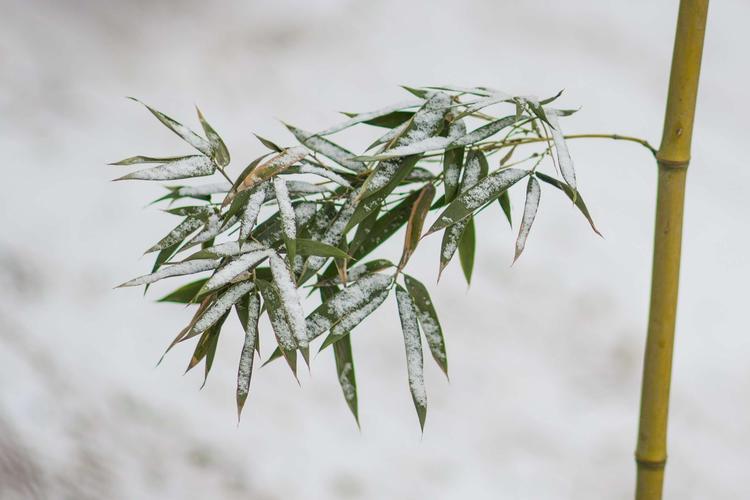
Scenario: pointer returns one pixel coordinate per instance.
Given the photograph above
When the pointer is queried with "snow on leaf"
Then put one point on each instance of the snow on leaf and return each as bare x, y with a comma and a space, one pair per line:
185, 167
250, 213
561, 147
428, 320
178, 234
345, 371
185, 133
180, 269
574, 197
333, 176
344, 302
354, 318
288, 224
363, 117
477, 195
234, 268
248, 311
413, 345
485, 131
219, 307
218, 148
280, 323
291, 302
533, 194
204, 189
327, 148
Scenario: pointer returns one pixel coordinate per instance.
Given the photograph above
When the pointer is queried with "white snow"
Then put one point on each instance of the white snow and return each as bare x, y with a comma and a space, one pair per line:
354, 318
533, 194
286, 211
290, 298
204, 189
215, 311
234, 268
561, 147
251, 211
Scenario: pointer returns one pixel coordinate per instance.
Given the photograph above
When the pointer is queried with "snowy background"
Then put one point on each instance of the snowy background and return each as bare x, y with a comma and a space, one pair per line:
545, 357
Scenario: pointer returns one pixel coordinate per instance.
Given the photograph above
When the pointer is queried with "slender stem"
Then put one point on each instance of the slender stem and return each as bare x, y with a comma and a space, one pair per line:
673, 158
220, 169
616, 137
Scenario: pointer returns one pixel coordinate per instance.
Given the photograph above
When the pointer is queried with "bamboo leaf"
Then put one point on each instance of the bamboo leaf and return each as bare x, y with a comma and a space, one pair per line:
504, 201
286, 211
290, 300
185, 133
217, 308
327, 148
280, 323
344, 302
218, 148
384, 227
236, 266
477, 196
466, 249
391, 120
416, 221
533, 194
342, 351
485, 131
180, 269
564, 160
271, 167
248, 311
137, 160
182, 168
574, 197
269, 144
312, 247
413, 344
428, 320
369, 116
351, 320
206, 347
186, 294
452, 161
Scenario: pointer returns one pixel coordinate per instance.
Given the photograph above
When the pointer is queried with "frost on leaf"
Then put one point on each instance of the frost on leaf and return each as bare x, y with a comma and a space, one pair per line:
182, 168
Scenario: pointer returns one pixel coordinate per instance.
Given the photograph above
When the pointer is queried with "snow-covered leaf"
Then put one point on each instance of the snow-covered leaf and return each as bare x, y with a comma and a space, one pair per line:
428, 320
413, 344
349, 321
280, 323
271, 167
369, 116
137, 160
178, 234
290, 300
182, 168
345, 302
250, 213
533, 193
180, 269
234, 268
248, 311
286, 212
477, 196
219, 307
185, 133
466, 249
563, 155
312, 247
219, 150
485, 131
327, 148
342, 351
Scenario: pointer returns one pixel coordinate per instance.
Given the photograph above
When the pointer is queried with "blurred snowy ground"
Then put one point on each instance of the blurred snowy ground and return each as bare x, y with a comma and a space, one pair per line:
545, 357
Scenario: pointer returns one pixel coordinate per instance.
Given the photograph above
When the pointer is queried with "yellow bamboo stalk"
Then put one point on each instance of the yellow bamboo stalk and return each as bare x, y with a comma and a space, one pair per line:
673, 158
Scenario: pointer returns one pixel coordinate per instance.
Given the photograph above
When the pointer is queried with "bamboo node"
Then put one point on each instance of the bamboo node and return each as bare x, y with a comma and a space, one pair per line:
667, 163
649, 463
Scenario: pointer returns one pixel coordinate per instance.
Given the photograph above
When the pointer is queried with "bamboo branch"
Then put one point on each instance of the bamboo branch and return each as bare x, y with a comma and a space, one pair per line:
673, 158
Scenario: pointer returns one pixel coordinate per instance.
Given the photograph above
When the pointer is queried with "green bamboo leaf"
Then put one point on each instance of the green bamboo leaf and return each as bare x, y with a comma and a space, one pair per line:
466, 249
342, 351
428, 320
549, 100
504, 201
348, 322
357, 272
276, 354
201, 212
564, 161
179, 269
218, 148
327, 148
533, 194
137, 160
477, 196
385, 227
452, 161
365, 117
181, 168
269, 144
248, 312
186, 294
217, 308
574, 197
280, 323
416, 221
413, 344
178, 234
312, 247
185, 133
206, 347
485, 131
345, 302
391, 120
